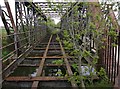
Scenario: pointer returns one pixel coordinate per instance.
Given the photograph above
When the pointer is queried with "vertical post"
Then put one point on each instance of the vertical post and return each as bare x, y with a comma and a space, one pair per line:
118, 72
4, 22
13, 24
28, 10
118, 63
119, 12
34, 30
16, 16
119, 39
31, 30
0, 54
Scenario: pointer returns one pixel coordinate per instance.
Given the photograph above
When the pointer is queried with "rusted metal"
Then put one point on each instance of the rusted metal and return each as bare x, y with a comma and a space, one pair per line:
43, 59
118, 54
13, 24
23, 45
10, 62
109, 54
4, 21
49, 48
117, 79
28, 65
48, 11
39, 72
24, 78
34, 65
32, 37
14, 63
49, 57
70, 73
10, 14
54, 65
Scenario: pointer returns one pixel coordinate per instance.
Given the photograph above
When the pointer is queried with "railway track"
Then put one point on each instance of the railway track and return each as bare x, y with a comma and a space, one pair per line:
37, 70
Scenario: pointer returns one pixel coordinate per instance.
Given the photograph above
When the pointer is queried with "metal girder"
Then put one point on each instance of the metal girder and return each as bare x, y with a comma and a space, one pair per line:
39, 72
49, 57
53, 12
48, 7
44, 48
8, 25
14, 63
69, 70
51, 2
10, 15
34, 65
24, 78
53, 6
5, 22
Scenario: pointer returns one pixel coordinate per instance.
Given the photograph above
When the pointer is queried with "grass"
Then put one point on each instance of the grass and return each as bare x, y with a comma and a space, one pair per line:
4, 42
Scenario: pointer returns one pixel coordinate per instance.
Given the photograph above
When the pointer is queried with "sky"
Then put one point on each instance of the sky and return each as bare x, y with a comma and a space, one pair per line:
12, 6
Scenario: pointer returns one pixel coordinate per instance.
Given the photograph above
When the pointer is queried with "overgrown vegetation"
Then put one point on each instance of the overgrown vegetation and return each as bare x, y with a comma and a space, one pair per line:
4, 41
80, 28
52, 28
77, 37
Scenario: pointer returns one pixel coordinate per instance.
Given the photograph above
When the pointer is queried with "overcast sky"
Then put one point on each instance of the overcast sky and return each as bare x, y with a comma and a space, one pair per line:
12, 5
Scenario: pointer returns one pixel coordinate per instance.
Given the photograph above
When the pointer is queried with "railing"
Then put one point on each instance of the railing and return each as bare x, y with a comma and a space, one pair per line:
90, 18
93, 18
26, 34
110, 53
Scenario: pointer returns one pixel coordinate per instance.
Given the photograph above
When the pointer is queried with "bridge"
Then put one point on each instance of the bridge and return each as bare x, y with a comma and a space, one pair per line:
81, 51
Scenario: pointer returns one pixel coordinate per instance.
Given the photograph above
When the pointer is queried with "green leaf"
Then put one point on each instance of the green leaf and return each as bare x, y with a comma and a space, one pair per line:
92, 26
112, 33
58, 62
114, 44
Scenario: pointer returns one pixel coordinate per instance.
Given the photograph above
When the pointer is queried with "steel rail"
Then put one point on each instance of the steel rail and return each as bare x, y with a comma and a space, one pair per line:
16, 62
24, 78
69, 70
54, 57
37, 65
39, 72
14, 43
